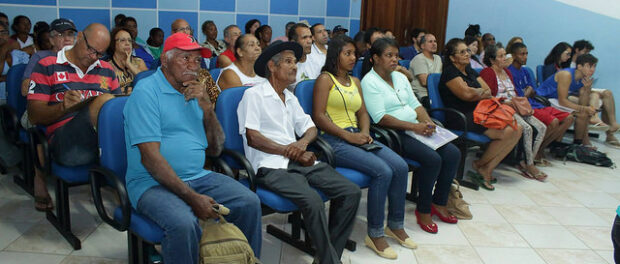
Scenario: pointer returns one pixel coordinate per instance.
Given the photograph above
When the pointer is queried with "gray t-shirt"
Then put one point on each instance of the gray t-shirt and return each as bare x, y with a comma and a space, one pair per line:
34, 60
423, 65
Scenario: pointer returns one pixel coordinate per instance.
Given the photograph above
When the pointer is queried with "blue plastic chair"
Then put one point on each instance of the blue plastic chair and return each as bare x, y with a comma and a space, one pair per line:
438, 111
213, 63
215, 73
13, 131
404, 63
233, 156
530, 75
357, 69
141, 231
539, 74
141, 76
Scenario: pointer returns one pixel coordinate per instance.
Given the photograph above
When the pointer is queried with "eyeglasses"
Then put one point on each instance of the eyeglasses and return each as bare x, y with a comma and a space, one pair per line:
124, 40
462, 52
92, 50
67, 34
188, 28
488, 39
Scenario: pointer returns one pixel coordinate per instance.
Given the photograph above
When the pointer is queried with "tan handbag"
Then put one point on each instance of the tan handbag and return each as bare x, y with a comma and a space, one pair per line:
456, 205
522, 106
223, 242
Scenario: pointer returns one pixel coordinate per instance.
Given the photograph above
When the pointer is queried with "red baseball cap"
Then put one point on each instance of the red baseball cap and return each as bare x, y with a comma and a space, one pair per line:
183, 41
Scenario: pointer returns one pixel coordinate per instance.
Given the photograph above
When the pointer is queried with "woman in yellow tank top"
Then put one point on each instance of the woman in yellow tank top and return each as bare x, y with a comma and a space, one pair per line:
340, 113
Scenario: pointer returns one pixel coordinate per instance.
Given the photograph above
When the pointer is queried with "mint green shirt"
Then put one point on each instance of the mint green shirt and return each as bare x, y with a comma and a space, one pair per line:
618, 211
381, 99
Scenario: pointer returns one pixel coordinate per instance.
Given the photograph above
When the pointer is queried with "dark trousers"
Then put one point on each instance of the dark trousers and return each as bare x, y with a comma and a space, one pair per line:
438, 168
615, 239
296, 182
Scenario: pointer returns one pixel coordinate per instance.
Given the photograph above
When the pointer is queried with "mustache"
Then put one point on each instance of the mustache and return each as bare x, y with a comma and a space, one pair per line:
190, 73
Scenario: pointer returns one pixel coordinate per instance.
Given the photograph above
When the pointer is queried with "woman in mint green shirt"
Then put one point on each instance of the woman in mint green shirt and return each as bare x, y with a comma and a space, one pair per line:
391, 103
615, 236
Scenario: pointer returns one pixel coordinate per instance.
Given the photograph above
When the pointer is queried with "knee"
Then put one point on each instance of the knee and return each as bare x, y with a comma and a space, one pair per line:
452, 153
569, 120
554, 124
312, 202
607, 94
250, 201
104, 97
431, 159
184, 227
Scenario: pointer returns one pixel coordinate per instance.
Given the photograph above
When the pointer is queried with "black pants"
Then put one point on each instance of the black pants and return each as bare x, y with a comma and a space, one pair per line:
296, 182
615, 239
75, 143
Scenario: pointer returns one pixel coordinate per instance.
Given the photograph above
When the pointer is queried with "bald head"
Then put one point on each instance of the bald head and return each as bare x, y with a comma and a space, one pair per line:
180, 25
98, 36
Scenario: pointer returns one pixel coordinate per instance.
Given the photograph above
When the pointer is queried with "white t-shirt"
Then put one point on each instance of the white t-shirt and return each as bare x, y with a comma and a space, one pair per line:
423, 65
261, 109
304, 72
317, 59
245, 80
29, 41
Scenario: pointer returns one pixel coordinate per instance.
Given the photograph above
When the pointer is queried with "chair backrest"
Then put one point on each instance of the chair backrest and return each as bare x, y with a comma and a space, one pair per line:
404, 63
530, 75
141, 76
226, 112
111, 133
357, 69
478, 70
156, 63
304, 93
432, 83
539, 74
213, 62
215, 73
15, 99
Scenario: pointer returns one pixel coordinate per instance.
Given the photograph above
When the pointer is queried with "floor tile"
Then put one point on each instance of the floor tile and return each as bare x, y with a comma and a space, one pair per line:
473, 197
449, 234
493, 255
88, 260
596, 199
549, 236
428, 254
608, 186
576, 216
568, 256
485, 213
512, 197
605, 214
104, 242
606, 255
7, 257
18, 210
597, 238
491, 234
576, 185
526, 214
11, 231
41, 238
545, 198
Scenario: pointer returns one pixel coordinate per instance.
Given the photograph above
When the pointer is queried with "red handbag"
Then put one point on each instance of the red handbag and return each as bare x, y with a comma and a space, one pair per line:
491, 113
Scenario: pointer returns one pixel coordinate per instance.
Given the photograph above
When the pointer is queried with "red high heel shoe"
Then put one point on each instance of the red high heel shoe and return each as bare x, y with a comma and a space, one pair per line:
432, 228
450, 219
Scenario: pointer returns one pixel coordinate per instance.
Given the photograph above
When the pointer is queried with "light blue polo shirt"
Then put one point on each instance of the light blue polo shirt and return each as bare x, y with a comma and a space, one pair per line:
156, 112
381, 99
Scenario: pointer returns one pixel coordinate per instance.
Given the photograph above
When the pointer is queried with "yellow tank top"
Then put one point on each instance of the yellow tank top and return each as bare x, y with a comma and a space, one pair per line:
342, 103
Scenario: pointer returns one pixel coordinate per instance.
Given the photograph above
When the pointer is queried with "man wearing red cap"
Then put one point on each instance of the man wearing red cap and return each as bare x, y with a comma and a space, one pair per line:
169, 127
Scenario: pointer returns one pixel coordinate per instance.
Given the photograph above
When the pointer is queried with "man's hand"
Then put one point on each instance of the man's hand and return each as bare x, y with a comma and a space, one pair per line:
590, 110
307, 159
529, 91
198, 90
202, 206
295, 150
357, 138
72, 98
587, 82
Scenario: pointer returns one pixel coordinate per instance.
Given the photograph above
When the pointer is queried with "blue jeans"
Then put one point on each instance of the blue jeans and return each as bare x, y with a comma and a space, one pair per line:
389, 180
438, 168
182, 232
615, 239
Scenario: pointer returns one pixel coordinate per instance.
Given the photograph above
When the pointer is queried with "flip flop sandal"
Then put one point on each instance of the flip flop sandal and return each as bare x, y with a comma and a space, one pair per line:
613, 143
43, 204
479, 179
541, 176
542, 163
473, 174
600, 126
524, 172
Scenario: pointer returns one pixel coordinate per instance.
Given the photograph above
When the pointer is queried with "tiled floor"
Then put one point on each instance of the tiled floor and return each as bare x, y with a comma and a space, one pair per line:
565, 220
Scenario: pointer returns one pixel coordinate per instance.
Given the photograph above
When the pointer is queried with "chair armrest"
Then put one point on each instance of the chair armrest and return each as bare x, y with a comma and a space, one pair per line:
397, 143
99, 176
461, 116
220, 165
543, 100
38, 138
437, 122
324, 150
382, 135
245, 164
10, 123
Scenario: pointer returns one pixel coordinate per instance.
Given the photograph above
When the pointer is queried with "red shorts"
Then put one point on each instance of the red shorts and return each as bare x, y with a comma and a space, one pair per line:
547, 114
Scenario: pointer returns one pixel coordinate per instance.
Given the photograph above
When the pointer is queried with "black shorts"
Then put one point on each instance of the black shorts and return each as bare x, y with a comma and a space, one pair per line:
75, 143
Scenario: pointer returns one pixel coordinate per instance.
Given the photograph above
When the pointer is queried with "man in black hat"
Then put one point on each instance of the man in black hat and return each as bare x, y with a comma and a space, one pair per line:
270, 118
339, 30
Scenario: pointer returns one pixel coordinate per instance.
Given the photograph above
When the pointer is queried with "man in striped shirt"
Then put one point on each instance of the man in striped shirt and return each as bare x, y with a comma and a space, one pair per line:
66, 93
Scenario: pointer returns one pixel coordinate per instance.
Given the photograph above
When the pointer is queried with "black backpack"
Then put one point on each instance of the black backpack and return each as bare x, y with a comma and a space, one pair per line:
583, 154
